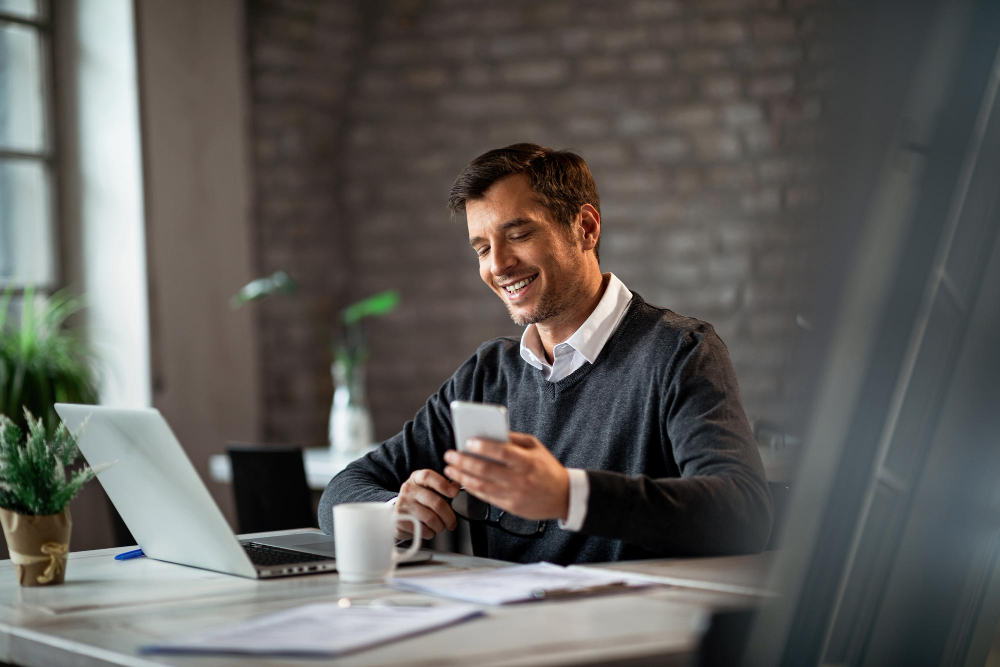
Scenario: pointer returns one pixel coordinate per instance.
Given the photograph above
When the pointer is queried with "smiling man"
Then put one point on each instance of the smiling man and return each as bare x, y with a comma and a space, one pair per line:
628, 437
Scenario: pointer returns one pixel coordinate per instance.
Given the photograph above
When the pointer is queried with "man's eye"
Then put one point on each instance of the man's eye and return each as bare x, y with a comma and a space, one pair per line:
481, 252
520, 237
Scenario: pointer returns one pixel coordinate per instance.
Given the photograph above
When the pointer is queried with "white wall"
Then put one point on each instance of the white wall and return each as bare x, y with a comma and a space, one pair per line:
194, 111
101, 204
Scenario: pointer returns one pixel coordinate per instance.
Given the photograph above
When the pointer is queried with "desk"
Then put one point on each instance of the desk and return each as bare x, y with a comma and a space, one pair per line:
108, 608
321, 466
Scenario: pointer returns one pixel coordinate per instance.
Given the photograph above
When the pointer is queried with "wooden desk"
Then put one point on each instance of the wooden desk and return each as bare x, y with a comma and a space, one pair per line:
107, 609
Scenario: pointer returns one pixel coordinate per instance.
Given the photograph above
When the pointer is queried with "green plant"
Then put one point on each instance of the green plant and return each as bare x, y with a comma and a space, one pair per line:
277, 282
33, 477
42, 361
352, 349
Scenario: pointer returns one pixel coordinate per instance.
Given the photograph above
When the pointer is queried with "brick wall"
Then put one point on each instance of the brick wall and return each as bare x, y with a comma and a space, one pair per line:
699, 119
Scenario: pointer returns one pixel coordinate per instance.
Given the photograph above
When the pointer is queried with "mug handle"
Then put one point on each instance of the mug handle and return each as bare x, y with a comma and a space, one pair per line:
415, 546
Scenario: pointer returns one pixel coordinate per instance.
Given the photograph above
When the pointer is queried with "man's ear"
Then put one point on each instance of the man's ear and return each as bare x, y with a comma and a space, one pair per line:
590, 226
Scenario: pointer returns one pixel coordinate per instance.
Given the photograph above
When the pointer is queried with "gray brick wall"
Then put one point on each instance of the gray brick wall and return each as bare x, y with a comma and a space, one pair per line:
700, 120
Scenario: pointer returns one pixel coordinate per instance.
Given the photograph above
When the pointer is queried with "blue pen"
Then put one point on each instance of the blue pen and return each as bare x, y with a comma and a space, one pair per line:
130, 554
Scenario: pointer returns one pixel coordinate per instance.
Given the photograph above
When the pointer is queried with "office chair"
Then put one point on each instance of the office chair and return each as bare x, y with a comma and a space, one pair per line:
269, 484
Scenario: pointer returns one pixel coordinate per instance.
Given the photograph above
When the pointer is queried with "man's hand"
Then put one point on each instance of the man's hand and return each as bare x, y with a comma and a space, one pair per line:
528, 482
426, 495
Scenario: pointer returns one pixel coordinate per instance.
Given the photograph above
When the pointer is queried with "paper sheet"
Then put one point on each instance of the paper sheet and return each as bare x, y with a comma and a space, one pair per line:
317, 630
518, 583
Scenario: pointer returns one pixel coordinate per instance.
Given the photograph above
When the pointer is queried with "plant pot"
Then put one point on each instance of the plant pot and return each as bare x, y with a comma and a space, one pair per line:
38, 546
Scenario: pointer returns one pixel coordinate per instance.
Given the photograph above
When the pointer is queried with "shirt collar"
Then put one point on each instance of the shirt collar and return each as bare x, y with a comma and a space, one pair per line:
592, 335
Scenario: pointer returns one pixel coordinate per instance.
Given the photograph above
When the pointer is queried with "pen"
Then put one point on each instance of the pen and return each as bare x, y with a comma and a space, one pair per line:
136, 553
543, 594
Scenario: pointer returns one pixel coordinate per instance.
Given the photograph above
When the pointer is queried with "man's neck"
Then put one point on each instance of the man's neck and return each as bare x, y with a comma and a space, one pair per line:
555, 332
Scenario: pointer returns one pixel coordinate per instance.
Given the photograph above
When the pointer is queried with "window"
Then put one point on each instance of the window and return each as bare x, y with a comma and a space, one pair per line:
27, 205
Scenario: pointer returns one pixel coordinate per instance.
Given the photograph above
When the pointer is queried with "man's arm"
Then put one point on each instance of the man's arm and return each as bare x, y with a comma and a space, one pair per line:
379, 476
721, 503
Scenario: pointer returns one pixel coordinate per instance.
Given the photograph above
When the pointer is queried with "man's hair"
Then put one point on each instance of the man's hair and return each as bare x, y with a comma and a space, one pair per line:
561, 180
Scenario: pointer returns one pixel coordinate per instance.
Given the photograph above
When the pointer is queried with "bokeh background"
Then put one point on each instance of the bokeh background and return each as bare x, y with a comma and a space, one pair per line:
701, 122
184, 148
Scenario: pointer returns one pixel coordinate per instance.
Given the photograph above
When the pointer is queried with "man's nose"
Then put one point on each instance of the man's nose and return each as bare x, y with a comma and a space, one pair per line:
501, 259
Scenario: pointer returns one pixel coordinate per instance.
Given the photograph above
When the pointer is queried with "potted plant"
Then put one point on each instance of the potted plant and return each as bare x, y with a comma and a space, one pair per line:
35, 491
42, 361
351, 428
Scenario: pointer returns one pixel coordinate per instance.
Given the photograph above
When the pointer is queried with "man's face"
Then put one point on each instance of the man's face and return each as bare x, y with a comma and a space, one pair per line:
517, 240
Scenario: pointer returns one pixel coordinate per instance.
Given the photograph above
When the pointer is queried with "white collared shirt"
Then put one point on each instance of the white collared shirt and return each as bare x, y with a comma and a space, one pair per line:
581, 348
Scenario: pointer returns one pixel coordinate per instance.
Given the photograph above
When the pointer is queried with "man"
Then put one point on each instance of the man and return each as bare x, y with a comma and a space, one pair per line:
628, 437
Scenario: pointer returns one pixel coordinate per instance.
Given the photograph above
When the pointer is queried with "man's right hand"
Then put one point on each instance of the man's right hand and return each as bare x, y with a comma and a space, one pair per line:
426, 495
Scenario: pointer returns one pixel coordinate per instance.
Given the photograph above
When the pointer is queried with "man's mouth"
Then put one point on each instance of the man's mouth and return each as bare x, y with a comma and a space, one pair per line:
517, 289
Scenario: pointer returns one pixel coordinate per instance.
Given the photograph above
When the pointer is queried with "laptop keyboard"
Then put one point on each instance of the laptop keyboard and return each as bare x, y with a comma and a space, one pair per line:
262, 554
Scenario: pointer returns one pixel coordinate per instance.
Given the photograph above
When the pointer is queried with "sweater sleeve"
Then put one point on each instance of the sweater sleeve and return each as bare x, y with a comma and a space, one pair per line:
377, 476
720, 504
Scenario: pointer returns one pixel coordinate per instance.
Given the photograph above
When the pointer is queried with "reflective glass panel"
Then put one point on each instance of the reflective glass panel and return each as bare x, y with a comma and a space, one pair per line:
26, 241
25, 9
22, 101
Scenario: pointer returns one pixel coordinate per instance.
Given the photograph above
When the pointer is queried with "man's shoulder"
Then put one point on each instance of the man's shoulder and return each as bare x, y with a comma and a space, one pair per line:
490, 356
498, 350
666, 325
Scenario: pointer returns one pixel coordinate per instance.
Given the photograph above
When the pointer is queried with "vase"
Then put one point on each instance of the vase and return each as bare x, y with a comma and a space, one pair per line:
38, 546
351, 428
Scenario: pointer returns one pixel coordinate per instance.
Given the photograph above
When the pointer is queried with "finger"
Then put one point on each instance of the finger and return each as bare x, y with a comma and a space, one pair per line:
498, 451
477, 466
436, 481
404, 530
438, 505
426, 515
477, 486
525, 440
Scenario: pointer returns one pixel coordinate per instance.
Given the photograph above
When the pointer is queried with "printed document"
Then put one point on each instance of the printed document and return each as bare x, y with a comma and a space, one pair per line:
519, 583
317, 630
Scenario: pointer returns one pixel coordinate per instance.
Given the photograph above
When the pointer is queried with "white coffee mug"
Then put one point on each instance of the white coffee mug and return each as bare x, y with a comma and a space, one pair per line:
365, 543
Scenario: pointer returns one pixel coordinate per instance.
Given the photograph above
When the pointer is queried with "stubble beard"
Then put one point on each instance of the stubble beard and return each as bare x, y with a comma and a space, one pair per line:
551, 304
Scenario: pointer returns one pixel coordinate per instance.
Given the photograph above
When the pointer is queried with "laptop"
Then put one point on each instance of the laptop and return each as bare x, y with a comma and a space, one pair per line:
164, 503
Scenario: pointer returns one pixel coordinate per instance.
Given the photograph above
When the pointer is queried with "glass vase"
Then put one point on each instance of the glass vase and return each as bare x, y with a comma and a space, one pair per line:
351, 427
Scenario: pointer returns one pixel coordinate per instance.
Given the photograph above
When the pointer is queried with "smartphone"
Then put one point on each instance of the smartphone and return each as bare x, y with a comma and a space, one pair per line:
478, 420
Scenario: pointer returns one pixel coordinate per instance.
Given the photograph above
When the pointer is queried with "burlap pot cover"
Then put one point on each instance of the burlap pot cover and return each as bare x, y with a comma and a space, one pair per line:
38, 546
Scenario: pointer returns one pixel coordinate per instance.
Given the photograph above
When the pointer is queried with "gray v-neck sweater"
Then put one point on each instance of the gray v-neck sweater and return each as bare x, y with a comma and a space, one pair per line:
656, 421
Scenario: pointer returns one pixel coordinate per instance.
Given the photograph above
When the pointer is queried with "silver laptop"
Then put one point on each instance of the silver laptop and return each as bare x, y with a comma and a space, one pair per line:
164, 503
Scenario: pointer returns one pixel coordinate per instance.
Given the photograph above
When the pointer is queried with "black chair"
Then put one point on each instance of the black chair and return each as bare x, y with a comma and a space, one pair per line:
269, 484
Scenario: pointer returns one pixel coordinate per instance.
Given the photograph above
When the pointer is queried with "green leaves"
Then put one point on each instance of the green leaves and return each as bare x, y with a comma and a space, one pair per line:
33, 477
42, 362
277, 282
32, 470
377, 304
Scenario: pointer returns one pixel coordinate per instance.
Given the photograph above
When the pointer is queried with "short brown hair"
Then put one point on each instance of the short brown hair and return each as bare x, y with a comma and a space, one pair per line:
561, 180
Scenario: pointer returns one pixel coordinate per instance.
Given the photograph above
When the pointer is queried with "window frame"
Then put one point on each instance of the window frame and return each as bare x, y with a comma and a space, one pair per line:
48, 156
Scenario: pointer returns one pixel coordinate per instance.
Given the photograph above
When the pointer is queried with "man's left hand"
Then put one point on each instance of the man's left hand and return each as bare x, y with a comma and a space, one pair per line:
528, 481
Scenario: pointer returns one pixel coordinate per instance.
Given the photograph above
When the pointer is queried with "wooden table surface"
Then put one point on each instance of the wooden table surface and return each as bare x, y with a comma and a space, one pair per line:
107, 609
